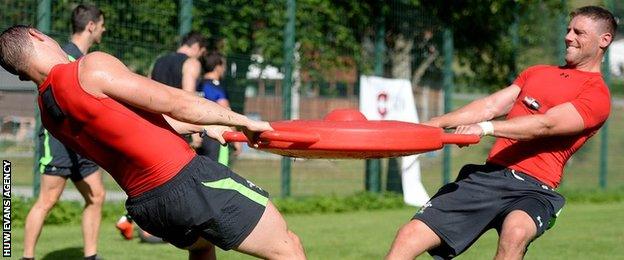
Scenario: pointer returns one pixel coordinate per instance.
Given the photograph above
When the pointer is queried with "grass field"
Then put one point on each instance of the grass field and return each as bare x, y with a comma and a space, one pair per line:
583, 231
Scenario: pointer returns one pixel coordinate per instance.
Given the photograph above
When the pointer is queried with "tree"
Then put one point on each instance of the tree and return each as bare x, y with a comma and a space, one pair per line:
485, 52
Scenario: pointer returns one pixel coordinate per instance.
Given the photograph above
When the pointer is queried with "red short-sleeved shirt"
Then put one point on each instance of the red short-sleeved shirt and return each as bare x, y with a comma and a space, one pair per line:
544, 158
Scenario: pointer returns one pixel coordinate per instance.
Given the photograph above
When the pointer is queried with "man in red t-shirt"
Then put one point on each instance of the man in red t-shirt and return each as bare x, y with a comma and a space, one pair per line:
550, 112
130, 126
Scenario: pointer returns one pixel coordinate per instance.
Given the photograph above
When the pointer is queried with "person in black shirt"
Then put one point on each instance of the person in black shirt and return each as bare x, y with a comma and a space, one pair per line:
181, 69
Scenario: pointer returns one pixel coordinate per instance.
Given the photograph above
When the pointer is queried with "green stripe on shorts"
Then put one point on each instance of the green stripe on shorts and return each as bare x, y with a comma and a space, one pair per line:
47, 155
229, 184
224, 155
552, 221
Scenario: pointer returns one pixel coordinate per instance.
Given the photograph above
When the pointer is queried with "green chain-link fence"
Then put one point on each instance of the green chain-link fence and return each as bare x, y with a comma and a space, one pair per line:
335, 43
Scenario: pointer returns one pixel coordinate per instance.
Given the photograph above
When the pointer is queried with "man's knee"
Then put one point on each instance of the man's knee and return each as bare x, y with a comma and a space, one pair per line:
96, 197
92, 189
292, 249
296, 242
516, 235
412, 229
45, 203
411, 240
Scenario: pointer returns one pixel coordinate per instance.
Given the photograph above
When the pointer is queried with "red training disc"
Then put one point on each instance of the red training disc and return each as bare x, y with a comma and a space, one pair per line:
346, 133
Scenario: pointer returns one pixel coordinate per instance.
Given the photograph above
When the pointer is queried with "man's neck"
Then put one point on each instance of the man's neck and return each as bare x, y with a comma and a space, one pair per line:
589, 65
40, 73
185, 50
211, 75
82, 41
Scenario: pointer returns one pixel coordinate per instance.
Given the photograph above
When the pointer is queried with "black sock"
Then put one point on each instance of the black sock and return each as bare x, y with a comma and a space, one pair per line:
90, 257
28, 258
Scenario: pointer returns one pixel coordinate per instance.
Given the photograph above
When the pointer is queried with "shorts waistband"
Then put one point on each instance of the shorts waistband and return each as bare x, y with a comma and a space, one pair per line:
520, 175
168, 186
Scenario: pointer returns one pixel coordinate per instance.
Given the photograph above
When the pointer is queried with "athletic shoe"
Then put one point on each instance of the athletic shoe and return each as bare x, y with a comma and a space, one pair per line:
125, 227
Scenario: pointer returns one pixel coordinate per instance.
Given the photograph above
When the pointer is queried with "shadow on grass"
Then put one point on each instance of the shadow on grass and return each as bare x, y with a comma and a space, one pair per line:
67, 253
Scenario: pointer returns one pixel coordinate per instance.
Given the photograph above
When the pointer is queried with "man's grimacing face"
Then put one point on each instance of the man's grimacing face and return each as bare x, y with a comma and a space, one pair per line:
582, 40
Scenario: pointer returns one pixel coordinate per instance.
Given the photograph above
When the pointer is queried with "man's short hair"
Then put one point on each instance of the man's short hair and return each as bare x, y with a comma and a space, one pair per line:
598, 13
15, 48
83, 14
192, 38
211, 60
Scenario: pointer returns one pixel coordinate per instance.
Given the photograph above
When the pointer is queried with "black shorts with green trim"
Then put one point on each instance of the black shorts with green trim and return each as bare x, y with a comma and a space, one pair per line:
206, 199
479, 200
58, 160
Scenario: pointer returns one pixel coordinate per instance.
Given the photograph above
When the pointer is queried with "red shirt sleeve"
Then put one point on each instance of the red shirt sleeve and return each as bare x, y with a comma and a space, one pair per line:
593, 104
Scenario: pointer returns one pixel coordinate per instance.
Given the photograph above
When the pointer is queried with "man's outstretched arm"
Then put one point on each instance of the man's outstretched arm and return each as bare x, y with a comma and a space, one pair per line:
483, 109
105, 76
562, 119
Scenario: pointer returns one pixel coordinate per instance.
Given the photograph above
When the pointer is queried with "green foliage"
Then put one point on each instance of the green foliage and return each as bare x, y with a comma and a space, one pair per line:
70, 212
483, 37
593, 195
617, 86
64, 212
137, 31
333, 203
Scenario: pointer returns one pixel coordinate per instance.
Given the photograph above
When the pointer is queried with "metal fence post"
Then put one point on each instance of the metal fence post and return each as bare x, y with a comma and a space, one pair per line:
289, 57
373, 166
563, 25
185, 17
604, 136
44, 14
447, 83
515, 41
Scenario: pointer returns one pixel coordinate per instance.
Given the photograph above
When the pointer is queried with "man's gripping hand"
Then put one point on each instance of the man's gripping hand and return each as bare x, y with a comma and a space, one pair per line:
473, 129
216, 132
253, 128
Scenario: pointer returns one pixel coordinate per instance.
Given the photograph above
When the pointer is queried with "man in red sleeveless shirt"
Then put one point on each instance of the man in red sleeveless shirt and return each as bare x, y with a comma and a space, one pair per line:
130, 126
550, 113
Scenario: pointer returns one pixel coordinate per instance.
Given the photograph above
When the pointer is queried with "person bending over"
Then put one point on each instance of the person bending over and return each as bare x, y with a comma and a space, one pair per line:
130, 126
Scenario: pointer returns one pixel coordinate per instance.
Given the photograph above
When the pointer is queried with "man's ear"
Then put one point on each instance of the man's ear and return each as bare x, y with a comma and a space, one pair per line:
36, 34
605, 40
90, 26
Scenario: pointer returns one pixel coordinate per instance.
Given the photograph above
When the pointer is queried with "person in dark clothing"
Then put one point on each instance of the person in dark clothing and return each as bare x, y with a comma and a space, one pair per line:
181, 69
213, 65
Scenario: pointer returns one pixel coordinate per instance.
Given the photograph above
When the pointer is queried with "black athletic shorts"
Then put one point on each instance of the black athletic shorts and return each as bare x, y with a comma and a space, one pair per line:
58, 160
479, 200
206, 200
209, 148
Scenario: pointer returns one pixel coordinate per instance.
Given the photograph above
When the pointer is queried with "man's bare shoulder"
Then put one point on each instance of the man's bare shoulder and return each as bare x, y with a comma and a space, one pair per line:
99, 60
192, 62
97, 69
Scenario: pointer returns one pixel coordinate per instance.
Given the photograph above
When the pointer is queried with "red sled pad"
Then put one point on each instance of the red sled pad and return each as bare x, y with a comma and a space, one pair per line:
346, 133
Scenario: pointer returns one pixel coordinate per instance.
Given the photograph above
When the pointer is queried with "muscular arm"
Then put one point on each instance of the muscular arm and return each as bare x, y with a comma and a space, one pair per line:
105, 76
563, 119
559, 120
190, 73
483, 109
182, 127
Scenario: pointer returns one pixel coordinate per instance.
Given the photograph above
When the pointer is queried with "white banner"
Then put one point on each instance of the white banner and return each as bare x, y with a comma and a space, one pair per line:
392, 99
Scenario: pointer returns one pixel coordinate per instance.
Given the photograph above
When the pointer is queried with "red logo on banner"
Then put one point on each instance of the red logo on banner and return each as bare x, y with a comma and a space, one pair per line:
382, 104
